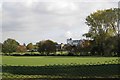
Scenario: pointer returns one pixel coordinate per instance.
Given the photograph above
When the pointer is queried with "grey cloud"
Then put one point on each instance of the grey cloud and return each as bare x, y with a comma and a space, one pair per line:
47, 20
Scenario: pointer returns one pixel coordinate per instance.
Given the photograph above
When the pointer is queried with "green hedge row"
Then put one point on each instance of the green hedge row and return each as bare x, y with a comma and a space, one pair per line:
108, 70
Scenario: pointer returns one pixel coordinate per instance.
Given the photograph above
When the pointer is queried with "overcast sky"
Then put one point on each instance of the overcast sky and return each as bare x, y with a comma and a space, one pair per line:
35, 20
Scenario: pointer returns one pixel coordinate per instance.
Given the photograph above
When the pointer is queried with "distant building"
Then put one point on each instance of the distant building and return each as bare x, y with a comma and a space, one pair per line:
74, 42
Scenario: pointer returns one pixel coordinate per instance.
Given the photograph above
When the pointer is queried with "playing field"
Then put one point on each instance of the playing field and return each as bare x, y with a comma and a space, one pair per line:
55, 67
51, 60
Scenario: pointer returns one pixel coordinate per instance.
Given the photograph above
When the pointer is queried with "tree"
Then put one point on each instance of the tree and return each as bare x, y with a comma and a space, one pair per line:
68, 47
118, 47
9, 46
21, 48
30, 47
0, 47
85, 47
72, 49
102, 22
47, 47
102, 25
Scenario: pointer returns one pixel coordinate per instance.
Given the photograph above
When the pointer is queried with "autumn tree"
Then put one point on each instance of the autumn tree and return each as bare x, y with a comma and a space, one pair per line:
21, 48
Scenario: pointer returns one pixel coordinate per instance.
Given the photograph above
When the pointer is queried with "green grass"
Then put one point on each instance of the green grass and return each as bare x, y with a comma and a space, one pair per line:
51, 60
46, 67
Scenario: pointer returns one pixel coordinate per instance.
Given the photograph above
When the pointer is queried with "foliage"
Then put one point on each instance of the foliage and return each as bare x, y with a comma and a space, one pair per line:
9, 46
102, 23
30, 47
21, 48
103, 27
46, 47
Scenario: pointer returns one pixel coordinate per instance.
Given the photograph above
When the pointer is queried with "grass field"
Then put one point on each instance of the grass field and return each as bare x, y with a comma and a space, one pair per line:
59, 67
51, 60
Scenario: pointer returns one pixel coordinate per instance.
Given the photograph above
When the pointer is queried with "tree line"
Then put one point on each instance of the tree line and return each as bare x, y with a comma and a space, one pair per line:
102, 39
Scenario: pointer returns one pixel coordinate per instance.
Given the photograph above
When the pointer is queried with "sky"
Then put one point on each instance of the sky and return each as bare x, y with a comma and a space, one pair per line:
35, 20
